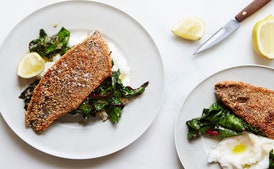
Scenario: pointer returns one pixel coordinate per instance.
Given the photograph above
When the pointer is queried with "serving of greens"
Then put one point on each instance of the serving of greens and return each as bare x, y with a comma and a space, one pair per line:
218, 120
110, 96
48, 47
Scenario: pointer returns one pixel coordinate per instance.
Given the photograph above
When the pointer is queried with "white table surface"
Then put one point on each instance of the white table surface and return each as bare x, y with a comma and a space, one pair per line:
183, 71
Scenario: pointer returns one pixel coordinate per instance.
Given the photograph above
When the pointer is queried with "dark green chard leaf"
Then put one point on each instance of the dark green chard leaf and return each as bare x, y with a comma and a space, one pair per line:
271, 160
230, 121
100, 104
84, 109
193, 128
194, 124
253, 130
126, 91
215, 107
130, 92
27, 93
226, 132
48, 47
114, 113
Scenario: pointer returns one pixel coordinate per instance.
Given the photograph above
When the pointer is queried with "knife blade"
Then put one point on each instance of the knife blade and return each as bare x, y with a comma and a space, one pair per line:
231, 26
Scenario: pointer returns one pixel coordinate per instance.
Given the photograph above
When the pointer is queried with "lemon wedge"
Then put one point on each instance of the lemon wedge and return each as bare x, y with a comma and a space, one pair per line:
190, 28
31, 65
263, 37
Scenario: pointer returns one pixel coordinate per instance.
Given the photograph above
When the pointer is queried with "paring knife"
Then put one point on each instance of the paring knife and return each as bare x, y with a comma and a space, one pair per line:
231, 26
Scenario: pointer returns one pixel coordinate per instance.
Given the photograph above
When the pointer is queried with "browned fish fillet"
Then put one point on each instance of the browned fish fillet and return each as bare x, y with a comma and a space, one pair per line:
68, 82
253, 104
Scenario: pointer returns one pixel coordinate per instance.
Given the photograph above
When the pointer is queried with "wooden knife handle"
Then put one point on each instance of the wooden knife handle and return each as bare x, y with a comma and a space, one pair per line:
253, 7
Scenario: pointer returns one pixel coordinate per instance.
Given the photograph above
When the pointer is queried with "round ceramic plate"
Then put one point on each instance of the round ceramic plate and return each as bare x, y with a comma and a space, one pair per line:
69, 139
193, 154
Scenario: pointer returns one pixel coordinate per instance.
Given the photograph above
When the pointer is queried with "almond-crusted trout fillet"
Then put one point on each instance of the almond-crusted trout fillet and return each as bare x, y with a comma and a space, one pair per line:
253, 104
68, 82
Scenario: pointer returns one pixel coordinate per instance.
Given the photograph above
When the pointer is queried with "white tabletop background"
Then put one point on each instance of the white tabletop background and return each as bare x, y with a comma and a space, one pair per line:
183, 71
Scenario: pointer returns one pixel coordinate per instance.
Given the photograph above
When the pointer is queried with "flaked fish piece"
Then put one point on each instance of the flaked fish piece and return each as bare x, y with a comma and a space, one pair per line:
69, 81
253, 104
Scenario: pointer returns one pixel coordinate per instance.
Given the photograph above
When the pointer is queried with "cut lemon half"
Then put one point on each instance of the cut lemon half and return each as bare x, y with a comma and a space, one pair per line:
190, 28
31, 65
263, 37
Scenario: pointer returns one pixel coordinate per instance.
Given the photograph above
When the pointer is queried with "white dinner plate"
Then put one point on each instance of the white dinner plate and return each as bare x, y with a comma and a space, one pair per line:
71, 140
193, 154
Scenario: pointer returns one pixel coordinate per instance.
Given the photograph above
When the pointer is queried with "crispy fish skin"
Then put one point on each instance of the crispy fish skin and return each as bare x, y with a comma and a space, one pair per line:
68, 82
253, 104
